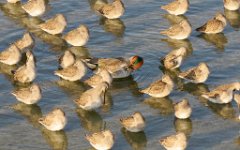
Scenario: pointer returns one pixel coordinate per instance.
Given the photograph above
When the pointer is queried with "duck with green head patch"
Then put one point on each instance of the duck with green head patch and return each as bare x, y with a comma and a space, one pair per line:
117, 67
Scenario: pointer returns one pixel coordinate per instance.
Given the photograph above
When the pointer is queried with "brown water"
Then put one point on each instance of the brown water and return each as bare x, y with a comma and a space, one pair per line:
136, 33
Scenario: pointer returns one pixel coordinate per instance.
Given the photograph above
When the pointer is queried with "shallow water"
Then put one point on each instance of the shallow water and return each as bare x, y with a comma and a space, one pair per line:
136, 33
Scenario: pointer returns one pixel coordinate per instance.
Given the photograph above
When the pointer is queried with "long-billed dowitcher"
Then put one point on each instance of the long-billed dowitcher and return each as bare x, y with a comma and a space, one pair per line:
231, 4
25, 42
174, 58
215, 25
74, 72
35, 7
78, 36
198, 74
102, 76
93, 98
177, 7
67, 59
55, 25
176, 141
54, 120
11, 55
29, 95
112, 11
27, 72
182, 109
134, 123
160, 88
222, 94
178, 31
103, 140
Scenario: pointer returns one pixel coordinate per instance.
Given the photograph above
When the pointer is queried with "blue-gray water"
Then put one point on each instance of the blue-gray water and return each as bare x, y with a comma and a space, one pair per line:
136, 33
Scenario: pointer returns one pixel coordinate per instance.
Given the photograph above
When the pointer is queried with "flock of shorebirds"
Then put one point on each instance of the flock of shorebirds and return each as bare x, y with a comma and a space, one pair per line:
107, 69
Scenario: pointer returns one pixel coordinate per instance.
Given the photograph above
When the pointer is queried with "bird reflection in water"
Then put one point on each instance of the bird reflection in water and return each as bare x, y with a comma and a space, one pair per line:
218, 40
90, 120
226, 111
31, 112
56, 140
125, 84
96, 4
175, 44
13, 10
173, 75
164, 105
233, 17
80, 51
183, 125
137, 141
72, 89
173, 19
113, 26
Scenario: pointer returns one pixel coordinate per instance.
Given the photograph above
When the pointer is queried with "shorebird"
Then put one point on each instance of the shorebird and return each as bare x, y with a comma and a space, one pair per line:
101, 76
103, 140
215, 25
160, 88
29, 95
13, 1
174, 142
78, 36
182, 109
112, 11
27, 72
117, 67
74, 72
35, 7
231, 4
174, 59
93, 98
222, 94
178, 31
67, 59
134, 123
25, 42
198, 74
55, 25
177, 7
11, 55
55, 120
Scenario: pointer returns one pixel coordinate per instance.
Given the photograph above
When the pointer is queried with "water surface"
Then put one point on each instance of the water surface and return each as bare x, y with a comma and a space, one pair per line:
136, 33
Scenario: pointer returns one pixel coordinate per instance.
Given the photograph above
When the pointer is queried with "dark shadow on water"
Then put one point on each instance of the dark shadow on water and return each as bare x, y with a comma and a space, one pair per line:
72, 89
164, 105
80, 51
31, 112
137, 141
175, 44
96, 4
90, 120
173, 75
225, 111
173, 19
183, 125
126, 84
233, 17
56, 140
113, 26
218, 40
